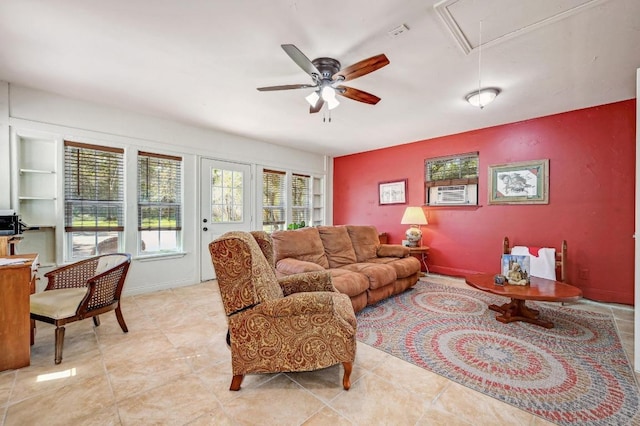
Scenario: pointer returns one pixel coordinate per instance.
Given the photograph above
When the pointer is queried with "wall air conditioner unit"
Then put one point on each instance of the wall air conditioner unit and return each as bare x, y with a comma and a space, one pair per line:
455, 194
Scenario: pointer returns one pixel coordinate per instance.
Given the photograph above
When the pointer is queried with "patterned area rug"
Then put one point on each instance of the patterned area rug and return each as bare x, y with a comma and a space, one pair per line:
573, 374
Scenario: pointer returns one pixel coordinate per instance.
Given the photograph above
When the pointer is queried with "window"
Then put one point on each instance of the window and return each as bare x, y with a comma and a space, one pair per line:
452, 180
94, 199
159, 203
273, 200
300, 200
287, 200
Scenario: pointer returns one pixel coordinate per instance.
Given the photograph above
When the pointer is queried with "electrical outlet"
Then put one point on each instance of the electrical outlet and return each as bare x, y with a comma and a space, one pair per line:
583, 274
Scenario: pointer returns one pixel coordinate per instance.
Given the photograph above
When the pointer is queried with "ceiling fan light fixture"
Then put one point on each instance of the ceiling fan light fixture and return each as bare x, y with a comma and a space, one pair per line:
332, 102
482, 97
328, 93
327, 75
313, 99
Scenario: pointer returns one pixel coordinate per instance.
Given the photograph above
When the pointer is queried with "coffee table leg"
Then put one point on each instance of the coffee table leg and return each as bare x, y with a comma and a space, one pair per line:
516, 310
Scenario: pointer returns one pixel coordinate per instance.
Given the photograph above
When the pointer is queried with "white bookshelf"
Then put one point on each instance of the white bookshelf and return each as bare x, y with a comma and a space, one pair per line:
35, 183
317, 201
35, 160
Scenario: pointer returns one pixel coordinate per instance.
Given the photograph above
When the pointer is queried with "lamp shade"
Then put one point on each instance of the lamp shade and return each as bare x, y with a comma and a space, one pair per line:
414, 216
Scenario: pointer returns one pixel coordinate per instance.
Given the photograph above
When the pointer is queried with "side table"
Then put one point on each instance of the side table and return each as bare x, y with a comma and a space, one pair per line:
421, 253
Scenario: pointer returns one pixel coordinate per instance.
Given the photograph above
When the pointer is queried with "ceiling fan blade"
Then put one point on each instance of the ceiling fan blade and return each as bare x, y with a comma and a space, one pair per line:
300, 59
357, 95
285, 87
318, 106
361, 68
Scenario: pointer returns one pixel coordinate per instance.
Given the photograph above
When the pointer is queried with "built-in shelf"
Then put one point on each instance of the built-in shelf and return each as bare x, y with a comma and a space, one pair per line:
34, 184
317, 201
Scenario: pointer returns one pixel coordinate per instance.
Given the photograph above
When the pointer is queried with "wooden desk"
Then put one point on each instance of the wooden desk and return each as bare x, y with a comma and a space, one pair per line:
421, 253
539, 289
7, 244
17, 282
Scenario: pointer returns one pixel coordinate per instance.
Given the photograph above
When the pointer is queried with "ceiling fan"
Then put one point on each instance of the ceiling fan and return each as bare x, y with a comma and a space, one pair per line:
327, 78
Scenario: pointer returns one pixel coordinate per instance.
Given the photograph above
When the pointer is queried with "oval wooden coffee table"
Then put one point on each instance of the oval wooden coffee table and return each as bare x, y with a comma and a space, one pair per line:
539, 289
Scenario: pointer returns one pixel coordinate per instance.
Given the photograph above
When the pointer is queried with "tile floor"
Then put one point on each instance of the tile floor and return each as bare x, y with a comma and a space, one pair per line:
173, 368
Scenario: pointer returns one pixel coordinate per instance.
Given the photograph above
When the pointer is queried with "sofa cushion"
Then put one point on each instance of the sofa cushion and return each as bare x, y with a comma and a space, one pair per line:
337, 245
348, 282
404, 267
378, 275
365, 241
303, 244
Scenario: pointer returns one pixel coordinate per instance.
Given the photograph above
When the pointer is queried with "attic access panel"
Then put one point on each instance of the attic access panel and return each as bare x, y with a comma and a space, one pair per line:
502, 19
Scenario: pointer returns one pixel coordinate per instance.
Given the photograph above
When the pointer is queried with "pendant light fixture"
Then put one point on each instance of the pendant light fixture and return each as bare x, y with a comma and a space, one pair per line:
483, 96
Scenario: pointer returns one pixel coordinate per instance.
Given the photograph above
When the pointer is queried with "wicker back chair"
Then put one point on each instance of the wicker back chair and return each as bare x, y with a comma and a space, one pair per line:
81, 290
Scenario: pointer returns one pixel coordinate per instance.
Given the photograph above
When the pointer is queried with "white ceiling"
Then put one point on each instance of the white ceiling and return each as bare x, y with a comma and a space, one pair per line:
200, 61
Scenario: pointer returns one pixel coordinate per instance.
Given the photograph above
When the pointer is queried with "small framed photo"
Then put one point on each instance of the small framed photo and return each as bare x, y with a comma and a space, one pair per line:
525, 182
394, 192
516, 269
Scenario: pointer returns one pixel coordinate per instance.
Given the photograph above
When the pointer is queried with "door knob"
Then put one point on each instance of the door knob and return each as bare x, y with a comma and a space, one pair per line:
205, 229
204, 220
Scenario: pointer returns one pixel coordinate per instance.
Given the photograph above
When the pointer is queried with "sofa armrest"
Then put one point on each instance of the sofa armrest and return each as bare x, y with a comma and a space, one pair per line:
392, 250
290, 266
305, 282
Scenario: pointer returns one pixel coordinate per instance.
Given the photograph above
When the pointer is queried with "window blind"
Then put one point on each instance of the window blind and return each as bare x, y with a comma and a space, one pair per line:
94, 193
273, 197
301, 203
452, 170
159, 192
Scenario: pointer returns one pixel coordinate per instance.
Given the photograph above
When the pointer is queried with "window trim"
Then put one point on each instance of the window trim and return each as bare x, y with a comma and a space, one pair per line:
289, 211
306, 208
177, 169
283, 207
73, 196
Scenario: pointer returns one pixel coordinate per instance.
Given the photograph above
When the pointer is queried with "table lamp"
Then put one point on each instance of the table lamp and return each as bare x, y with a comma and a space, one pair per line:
415, 217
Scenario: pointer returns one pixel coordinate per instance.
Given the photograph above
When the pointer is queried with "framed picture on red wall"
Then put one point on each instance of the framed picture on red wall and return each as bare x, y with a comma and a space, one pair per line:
393, 192
526, 182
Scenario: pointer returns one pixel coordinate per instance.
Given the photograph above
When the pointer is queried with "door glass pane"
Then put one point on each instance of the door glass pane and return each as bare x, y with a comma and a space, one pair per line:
226, 196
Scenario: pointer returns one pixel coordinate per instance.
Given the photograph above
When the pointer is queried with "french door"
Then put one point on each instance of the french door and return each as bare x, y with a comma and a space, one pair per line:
225, 205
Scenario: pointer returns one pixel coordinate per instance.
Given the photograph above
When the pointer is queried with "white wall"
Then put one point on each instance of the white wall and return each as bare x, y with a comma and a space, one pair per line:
5, 172
636, 350
64, 118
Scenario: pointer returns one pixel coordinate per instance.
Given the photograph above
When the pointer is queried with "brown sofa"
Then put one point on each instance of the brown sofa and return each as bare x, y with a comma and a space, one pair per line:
360, 266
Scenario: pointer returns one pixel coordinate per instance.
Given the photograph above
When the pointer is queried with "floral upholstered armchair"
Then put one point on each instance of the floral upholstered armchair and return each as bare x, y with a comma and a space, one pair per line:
301, 324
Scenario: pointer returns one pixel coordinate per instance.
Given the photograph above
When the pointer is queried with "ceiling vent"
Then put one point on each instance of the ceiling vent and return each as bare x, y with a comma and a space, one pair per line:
502, 19
398, 31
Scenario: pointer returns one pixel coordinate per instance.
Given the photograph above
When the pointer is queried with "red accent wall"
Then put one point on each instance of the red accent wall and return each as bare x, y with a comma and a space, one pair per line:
591, 197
